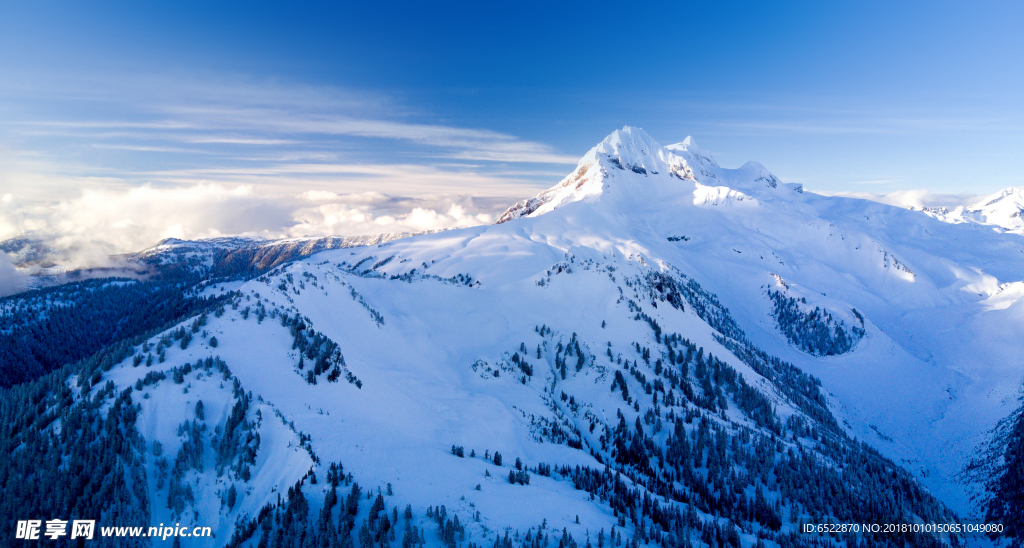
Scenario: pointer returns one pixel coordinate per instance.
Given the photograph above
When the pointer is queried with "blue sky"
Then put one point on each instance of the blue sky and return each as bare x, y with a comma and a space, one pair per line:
400, 107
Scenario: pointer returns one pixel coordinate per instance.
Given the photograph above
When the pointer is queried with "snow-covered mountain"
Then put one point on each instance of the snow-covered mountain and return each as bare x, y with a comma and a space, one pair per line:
634, 151
1004, 209
230, 256
656, 346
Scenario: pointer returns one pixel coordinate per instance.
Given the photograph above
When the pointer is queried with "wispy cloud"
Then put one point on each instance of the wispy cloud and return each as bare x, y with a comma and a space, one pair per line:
866, 125
240, 141
260, 114
144, 148
451, 142
155, 158
11, 279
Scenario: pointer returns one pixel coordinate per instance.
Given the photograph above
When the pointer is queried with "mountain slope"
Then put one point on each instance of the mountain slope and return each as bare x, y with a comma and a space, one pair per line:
507, 375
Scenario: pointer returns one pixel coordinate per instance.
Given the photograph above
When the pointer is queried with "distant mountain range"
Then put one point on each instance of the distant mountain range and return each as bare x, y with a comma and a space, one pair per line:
1004, 209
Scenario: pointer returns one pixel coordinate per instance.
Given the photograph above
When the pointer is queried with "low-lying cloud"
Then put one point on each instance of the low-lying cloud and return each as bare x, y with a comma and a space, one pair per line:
12, 280
86, 230
917, 199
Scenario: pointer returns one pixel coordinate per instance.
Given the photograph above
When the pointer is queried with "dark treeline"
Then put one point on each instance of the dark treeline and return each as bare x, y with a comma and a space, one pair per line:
813, 331
706, 304
1000, 469
88, 467
69, 447
292, 523
46, 329
324, 354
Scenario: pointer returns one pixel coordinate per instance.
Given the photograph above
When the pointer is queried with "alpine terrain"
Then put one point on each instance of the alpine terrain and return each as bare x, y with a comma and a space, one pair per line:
657, 351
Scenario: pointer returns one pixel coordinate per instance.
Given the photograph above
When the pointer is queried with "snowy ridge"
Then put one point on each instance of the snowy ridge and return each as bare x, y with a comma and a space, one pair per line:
1004, 209
205, 256
173, 258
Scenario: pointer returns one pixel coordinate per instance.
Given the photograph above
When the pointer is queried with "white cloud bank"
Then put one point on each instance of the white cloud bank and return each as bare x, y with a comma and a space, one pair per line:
85, 230
12, 280
916, 199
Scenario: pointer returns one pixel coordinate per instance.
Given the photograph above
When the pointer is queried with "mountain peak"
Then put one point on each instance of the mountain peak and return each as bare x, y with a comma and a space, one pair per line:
630, 148
628, 140
629, 158
1006, 195
1004, 209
